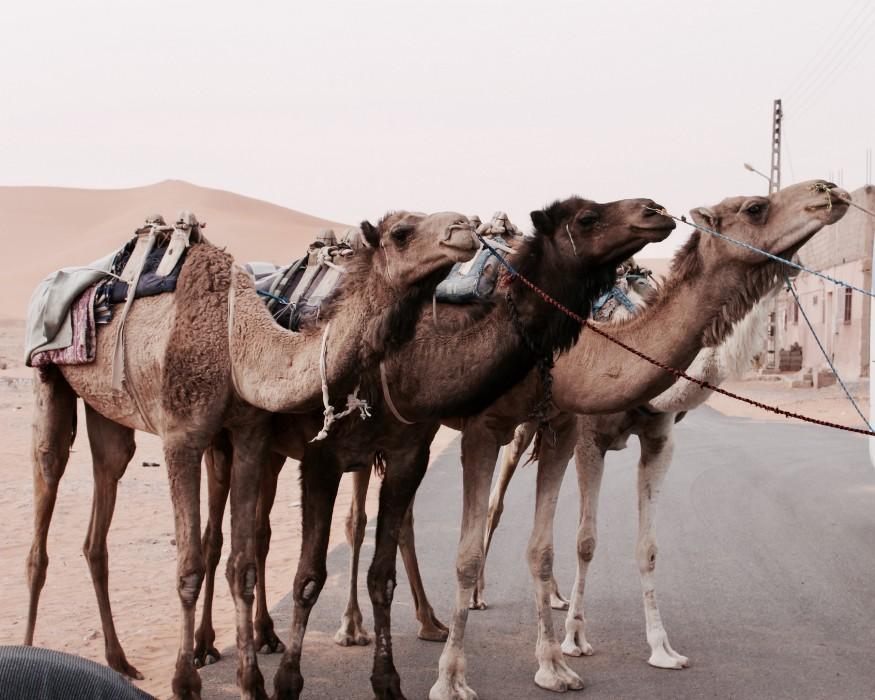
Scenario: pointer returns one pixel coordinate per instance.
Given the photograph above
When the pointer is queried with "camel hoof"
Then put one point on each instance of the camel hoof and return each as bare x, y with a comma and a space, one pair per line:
554, 674
267, 642
572, 648
351, 634
558, 602
206, 657
477, 604
121, 665
433, 630
661, 659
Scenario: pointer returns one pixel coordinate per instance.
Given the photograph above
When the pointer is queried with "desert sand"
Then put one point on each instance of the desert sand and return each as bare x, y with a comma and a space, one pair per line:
45, 228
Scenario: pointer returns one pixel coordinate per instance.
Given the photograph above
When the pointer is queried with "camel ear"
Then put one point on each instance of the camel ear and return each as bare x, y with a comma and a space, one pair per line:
542, 221
705, 217
370, 234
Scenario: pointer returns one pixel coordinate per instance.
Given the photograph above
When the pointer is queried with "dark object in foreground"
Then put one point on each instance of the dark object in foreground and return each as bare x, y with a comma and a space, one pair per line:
45, 674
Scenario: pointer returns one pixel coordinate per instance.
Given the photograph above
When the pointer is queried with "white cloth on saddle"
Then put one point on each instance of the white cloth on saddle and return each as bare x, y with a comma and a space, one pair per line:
49, 326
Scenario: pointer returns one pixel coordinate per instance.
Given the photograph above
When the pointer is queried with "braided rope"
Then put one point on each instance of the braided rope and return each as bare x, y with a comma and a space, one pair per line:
680, 374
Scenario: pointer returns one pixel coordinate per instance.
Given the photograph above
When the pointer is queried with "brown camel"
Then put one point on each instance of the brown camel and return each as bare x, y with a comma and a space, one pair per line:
573, 255
714, 285
209, 357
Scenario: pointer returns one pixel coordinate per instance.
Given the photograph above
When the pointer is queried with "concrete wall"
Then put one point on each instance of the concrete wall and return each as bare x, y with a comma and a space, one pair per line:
825, 305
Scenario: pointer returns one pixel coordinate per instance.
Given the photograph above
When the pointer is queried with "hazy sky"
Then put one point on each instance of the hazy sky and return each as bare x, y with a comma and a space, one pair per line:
346, 109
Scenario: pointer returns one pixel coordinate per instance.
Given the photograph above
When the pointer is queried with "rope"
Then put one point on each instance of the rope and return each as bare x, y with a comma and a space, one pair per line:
791, 288
784, 261
680, 374
353, 402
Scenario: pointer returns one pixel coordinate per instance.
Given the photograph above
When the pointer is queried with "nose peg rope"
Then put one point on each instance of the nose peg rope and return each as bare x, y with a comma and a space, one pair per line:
680, 374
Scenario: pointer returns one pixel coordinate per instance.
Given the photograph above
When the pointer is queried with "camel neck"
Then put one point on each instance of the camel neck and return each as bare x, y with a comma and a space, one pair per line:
693, 310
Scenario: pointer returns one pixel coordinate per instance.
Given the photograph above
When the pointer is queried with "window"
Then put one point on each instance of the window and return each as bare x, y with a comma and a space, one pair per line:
795, 314
848, 300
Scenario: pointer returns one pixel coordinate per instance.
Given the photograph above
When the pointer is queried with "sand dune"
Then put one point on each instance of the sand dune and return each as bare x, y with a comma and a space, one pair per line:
44, 228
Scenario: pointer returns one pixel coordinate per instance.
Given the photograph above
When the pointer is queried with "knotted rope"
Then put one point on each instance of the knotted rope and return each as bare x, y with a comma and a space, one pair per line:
680, 374
353, 402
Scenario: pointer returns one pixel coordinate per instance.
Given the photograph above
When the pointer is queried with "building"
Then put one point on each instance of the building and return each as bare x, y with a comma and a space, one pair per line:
839, 316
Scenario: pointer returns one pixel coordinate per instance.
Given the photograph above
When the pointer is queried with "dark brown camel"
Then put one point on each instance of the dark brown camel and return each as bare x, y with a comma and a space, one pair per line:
573, 255
209, 357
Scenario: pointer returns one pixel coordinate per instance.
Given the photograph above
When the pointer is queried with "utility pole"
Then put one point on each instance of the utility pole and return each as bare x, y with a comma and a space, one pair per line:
774, 186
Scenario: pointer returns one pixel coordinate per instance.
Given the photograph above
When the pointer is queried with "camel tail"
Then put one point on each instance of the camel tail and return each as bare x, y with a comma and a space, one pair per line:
379, 463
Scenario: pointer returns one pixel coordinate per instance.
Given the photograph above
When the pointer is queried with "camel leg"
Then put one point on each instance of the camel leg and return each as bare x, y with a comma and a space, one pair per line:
266, 639
218, 463
54, 421
589, 458
400, 482
112, 448
320, 478
553, 673
657, 447
430, 628
479, 453
250, 451
351, 631
184, 471
510, 460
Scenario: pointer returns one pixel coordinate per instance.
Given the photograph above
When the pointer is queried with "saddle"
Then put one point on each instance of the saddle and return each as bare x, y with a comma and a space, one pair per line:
632, 281
476, 279
296, 293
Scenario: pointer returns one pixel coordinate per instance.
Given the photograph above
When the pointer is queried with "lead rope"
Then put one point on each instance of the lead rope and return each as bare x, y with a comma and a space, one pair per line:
353, 402
680, 374
792, 289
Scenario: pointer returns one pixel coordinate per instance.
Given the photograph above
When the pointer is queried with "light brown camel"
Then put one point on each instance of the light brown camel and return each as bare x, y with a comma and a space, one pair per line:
574, 253
209, 357
653, 423
715, 284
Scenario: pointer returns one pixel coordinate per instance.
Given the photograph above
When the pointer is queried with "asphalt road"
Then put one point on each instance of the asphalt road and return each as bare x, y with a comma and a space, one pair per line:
766, 578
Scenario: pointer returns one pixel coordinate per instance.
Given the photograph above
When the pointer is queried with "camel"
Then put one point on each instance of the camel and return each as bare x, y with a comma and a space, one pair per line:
209, 357
653, 423
574, 252
712, 286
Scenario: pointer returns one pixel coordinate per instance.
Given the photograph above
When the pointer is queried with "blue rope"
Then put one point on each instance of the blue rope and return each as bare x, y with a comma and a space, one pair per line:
281, 300
748, 246
792, 290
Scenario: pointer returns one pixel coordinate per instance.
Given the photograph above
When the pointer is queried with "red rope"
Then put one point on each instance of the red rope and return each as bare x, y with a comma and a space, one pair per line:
680, 374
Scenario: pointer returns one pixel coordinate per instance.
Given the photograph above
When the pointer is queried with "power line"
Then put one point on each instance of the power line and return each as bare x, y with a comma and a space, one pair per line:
856, 41
826, 47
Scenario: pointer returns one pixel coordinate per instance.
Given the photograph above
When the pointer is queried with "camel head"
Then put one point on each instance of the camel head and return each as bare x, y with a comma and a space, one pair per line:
779, 224
412, 247
601, 234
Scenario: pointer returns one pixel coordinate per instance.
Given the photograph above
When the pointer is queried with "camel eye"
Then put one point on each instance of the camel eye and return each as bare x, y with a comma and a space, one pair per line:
587, 219
401, 233
754, 209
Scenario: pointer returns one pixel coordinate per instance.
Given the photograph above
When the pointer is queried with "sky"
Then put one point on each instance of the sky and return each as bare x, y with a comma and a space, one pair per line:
347, 109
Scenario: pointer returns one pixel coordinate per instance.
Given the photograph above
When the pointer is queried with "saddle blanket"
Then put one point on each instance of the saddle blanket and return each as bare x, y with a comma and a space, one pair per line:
82, 349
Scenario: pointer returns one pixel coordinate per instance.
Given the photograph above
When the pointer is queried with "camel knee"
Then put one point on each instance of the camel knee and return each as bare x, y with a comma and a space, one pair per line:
647, 556
586, 548
52, 462
96, 554
189, 587
381, 587
541, 561
468, 571
37, 563
242, 577
306, 591
212, 544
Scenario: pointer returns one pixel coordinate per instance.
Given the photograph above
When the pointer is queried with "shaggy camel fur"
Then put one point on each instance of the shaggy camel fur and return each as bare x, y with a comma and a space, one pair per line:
454, 368
206, 357
653, 423
714, 285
